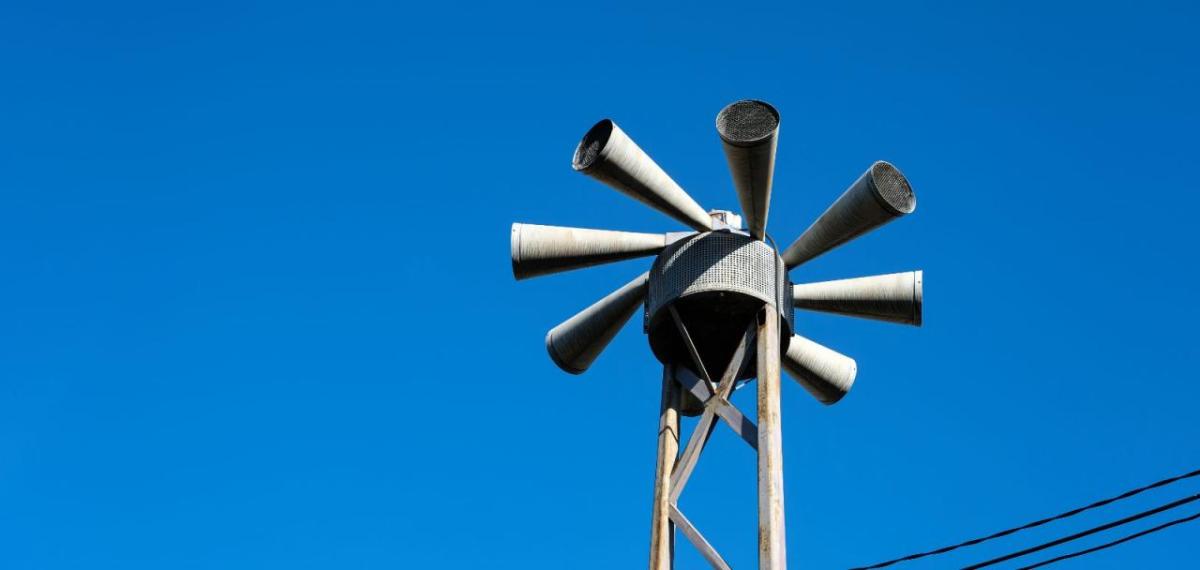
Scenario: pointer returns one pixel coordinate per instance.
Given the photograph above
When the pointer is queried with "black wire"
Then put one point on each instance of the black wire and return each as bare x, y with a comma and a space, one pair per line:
1087, 532
1033, 524
1113, 543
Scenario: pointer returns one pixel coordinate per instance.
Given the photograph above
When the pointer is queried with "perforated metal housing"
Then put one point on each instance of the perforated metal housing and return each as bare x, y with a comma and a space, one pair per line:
747, 121
892, 188
717, 281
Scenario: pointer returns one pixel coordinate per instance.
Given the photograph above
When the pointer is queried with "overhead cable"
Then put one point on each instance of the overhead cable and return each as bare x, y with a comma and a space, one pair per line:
1087, 532
1111, 544
1033, 524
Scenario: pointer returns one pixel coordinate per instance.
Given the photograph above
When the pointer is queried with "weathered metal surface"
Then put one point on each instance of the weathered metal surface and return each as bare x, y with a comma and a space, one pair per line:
689, 530
827, 374
716, 281
662, 532
703, 429
749, 133
723, 288
575, 344
772, 546
607, 154
541, 250
725, 262
691, 453
895, 297
725, 410
737, 421
693, 384
879, 196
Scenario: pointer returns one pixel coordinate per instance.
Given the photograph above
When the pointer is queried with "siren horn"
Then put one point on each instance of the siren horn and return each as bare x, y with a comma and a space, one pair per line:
541, 250
894, 298
879, 196
749, 133
575, 344
824, 372
607, 154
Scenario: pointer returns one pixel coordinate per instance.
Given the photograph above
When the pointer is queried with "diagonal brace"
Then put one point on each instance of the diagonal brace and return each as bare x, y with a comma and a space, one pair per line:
697, 540
700, 435
691, 347
726, 410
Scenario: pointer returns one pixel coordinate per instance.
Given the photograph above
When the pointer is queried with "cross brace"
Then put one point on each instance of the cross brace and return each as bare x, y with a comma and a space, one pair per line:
715, 397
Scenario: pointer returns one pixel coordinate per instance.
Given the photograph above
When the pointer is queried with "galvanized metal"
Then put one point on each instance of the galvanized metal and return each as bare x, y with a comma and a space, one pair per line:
879, 196
607, 154
749, 133
575, 344
895, 297
772, 544
717, 281
706, 550
703, 429
725, 261
720, 299
662, 530
691, 452
827, 374
734, 417
716, 405
541, 250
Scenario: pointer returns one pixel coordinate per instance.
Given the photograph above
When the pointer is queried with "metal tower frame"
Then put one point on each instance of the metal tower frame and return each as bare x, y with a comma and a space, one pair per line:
719, 296
760, 340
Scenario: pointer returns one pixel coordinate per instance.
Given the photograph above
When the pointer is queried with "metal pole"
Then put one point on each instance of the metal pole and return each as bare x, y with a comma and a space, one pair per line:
772, 548
662, 530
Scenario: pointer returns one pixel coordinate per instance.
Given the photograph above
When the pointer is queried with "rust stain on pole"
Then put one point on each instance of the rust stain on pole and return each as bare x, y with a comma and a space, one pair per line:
772, 548
662, 530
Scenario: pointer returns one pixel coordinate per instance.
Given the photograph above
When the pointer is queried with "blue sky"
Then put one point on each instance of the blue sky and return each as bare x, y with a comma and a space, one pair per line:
258, 310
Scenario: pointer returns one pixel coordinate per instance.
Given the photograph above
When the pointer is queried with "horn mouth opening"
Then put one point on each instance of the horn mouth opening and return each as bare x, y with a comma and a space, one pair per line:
592, 145
747, 122
892, 188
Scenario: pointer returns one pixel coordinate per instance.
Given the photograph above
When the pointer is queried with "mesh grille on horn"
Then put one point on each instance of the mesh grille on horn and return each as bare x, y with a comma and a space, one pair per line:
746, 121
892, 188
591, 145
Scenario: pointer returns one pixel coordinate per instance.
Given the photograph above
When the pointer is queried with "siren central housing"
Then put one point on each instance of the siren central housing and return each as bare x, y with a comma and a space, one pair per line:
716, 281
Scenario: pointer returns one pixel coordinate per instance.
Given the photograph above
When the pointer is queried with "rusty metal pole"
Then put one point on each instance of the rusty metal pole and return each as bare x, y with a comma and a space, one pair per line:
662, 530
772, 548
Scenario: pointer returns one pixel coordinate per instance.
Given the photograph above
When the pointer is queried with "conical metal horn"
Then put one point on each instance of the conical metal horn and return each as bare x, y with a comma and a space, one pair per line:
749, 132
541, 250
894, 298
879, 196
824, 372
575, 344
607, 154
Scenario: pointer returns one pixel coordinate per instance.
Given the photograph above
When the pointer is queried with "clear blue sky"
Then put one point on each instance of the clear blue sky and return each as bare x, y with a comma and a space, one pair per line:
258, 310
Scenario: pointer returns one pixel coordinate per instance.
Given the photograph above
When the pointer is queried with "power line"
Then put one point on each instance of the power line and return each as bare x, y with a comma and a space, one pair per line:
1034, 524
1113, 543
1087, 532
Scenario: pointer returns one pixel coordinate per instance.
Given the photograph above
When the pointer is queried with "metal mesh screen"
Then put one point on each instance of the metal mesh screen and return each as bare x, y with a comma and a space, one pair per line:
892, 187
716, 261
746, 121
591, 145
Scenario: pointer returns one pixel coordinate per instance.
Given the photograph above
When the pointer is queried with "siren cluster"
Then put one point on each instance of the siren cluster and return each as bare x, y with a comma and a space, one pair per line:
749, 134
